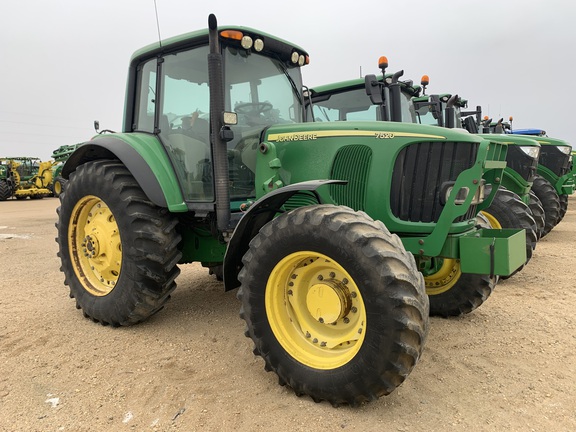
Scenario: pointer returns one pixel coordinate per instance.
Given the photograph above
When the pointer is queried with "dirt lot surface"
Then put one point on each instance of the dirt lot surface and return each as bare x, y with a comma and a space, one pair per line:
510, 365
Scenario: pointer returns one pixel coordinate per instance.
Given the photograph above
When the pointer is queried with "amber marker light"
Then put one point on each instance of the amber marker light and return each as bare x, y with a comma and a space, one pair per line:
424, 80
383, 62
232, 34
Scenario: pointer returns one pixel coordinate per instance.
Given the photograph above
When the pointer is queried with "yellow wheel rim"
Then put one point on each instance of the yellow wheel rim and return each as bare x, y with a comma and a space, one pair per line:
95, 245
445, 278
492, 220
315, 310
57, 188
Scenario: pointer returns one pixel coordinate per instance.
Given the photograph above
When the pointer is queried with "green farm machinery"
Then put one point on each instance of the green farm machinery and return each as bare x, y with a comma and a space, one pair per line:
216, 165
554, 179
60, 156
386, 97
25, 177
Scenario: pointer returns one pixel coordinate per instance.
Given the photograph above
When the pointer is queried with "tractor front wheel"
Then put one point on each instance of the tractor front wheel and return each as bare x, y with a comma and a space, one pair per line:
563, 207
118, 250
550, 202
334, 304
453, 293
59, 186
5, 190
538, 214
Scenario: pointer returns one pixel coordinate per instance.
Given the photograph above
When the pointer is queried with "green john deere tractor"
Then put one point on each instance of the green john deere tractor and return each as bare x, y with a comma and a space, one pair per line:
553, 181
556, 175
24, 177
387, 97
509, 207
60, 156
216, 165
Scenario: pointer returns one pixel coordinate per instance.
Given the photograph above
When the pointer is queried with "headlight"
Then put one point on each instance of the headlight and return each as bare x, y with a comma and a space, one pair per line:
564, 149
463, 192
294, 57
532, 151
258, 45
246, 42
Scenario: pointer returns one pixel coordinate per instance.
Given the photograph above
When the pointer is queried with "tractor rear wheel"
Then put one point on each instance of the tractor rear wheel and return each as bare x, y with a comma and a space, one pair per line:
118, 250
538, 214
334, 304
550, 202
508, 211
5, 190
563, 206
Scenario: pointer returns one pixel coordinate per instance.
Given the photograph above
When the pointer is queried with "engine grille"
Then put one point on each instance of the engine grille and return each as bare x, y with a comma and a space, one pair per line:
554, 160
520, 162
420, 171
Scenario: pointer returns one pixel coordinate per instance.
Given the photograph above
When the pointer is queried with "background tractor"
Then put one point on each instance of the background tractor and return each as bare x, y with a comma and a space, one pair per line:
23, 177
520, 173
216, 165
60, 156
554, 180
387, 97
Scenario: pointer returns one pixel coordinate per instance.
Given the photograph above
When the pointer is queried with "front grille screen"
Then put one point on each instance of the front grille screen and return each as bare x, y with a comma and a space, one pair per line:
421, 173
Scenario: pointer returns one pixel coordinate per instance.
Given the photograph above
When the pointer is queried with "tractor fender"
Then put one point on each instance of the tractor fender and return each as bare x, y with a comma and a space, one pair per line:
258, 215
114, 148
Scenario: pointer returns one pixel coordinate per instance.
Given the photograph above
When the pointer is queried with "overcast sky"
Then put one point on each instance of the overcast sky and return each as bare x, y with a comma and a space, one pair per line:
64, 62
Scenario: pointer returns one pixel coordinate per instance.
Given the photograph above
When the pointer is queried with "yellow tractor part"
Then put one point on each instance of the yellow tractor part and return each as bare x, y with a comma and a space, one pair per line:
315, 310
95, 246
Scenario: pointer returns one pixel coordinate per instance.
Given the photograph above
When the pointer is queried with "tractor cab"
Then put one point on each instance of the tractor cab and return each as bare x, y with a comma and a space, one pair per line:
172, 100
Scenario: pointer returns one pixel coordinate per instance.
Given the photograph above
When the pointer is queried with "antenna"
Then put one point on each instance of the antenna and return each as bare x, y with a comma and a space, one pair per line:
157, 24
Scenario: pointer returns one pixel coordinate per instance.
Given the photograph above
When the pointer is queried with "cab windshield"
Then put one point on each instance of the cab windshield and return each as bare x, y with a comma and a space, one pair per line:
261, 90
355, 104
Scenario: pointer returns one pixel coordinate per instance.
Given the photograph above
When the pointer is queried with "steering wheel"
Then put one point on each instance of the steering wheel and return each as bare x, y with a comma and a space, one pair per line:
250, 108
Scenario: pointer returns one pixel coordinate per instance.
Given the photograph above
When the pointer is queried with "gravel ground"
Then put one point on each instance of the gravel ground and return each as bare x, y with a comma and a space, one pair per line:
510, 365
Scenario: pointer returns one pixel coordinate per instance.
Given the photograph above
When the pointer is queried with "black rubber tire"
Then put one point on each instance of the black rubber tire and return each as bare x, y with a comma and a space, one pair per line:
148, 238
511, 212
550, 202
217, 271
468, 293
563, 207
537, 213
5, 190
469, 290
386, 277
59, 186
